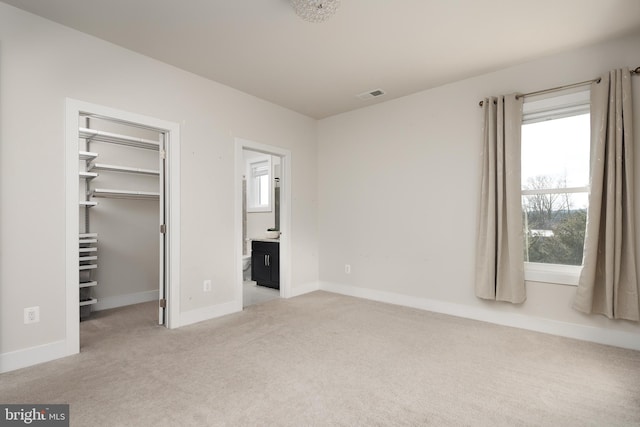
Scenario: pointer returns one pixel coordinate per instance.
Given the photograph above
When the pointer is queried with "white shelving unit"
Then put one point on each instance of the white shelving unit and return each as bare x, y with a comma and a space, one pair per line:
88, 241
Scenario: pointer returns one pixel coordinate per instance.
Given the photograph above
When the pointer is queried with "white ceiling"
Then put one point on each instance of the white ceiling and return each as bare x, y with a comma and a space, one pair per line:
400, 46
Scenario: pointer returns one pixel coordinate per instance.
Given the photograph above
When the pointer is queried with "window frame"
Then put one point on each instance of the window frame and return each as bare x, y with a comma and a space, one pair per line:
252, 195
553, 107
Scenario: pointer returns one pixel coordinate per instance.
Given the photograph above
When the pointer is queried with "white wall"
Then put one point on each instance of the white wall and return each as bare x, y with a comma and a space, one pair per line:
399, 191
42, 63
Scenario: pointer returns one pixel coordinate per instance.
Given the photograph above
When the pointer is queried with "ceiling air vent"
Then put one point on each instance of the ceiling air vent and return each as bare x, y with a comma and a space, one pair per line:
371, 94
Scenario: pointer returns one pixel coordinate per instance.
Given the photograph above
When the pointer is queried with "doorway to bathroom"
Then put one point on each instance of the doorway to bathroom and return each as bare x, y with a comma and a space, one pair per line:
262, 222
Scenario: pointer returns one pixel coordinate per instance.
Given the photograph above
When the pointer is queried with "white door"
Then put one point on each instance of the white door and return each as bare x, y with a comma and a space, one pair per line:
162, 229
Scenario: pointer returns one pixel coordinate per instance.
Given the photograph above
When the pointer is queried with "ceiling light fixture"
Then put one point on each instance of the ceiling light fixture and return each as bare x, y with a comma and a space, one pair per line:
315, 10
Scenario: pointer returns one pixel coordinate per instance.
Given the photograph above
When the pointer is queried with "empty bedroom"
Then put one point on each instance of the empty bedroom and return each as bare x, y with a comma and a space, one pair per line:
320, 212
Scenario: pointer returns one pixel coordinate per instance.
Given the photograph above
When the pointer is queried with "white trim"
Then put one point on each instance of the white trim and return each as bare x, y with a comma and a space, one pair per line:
552, 273
33, 355
285, 214
553, 327
73, 109
208, 313
106, 303
72, 215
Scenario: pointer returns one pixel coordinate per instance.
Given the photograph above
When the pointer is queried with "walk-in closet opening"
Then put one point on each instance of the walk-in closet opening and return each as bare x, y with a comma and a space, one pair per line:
120, 192
263, 209
123, 254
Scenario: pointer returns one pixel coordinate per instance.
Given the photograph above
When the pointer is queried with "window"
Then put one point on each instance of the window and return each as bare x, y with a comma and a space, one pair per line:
555, 186
259, 184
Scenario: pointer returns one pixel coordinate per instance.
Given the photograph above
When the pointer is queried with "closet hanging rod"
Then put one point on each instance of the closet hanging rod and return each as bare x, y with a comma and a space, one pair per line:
114, 138
635, 71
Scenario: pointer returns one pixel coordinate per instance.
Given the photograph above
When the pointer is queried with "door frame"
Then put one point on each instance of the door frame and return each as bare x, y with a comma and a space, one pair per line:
73, 108
285, 214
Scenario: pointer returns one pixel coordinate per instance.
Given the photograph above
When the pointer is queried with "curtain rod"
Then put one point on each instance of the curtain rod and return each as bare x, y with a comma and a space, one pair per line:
554, 89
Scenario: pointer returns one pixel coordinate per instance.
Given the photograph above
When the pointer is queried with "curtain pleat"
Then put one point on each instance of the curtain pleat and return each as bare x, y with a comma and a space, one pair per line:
608, 284
499, 247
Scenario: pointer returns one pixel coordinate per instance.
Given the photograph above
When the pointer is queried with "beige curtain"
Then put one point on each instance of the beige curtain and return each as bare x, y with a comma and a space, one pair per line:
608, 284
499, 247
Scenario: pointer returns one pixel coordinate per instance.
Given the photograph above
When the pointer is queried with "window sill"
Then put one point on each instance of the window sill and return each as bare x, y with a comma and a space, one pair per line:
552, 273
254, 210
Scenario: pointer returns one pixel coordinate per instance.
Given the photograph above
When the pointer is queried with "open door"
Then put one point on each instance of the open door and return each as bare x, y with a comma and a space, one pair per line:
162, 286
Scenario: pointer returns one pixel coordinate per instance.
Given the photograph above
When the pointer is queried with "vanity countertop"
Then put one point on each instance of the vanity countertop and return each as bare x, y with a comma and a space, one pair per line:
266, 240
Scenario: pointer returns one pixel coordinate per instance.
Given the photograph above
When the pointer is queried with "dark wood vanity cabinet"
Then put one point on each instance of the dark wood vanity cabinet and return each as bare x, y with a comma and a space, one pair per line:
265, 263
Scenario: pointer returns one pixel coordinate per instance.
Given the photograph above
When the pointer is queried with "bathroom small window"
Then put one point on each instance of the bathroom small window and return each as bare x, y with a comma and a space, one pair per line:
259, 184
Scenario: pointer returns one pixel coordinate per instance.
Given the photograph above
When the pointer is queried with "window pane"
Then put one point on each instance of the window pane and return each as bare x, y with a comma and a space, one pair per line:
553, 236
555, 155
264, 190
259, 184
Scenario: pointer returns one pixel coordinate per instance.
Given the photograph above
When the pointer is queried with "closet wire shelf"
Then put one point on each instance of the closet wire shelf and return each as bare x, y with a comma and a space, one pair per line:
125, 169
87, 155
130, 141
125, 194
87, 175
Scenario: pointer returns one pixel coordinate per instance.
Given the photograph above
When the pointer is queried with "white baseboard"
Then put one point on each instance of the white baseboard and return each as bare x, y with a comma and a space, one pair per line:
208, 313
32, 356
305, 288
124, 300
570, 330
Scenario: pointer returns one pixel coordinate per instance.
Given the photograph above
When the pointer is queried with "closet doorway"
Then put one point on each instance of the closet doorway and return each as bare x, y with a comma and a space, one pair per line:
263, 222
122, 243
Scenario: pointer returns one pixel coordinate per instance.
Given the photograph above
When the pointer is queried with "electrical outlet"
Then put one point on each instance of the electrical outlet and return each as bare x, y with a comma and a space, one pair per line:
347, 268
31, 315
206, 286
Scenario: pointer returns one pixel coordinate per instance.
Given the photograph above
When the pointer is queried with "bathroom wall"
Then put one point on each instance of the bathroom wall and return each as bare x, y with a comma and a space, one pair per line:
259, 222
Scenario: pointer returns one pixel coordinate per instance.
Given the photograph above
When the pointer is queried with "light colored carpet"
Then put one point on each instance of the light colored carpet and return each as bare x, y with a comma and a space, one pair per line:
325, 359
